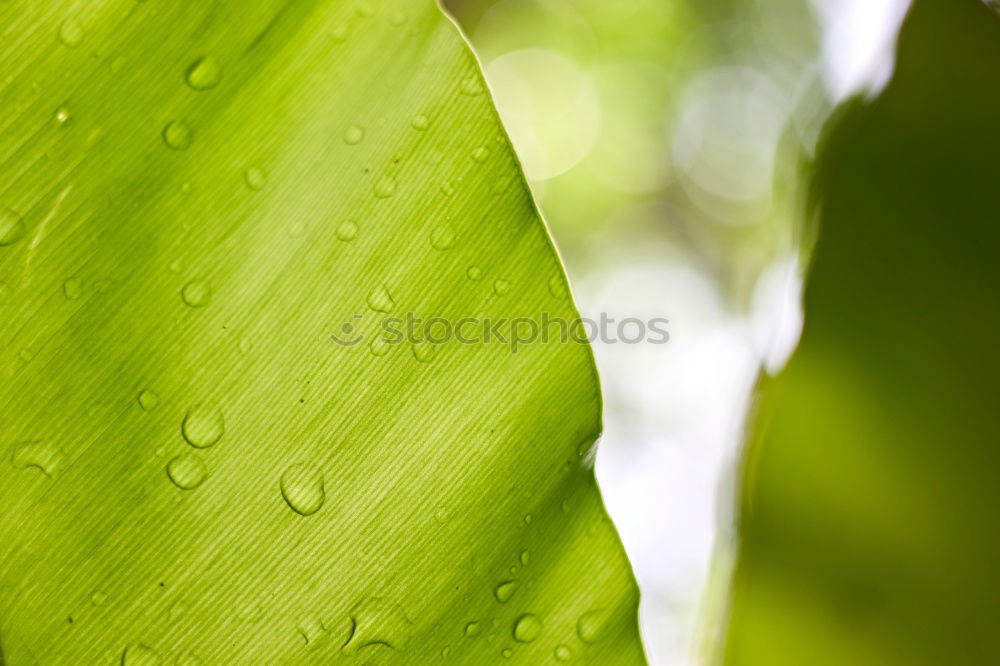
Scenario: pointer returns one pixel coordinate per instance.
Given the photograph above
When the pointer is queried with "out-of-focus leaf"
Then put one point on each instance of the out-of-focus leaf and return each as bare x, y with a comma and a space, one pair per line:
869, 516
195, 197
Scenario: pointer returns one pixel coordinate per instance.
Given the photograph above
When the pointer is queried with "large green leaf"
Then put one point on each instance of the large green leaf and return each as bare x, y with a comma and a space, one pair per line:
197, 196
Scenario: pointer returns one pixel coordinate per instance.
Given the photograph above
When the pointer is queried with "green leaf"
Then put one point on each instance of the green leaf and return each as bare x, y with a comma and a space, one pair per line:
197, 196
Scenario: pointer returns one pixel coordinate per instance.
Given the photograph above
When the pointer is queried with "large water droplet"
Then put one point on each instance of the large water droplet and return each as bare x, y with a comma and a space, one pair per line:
187, 471
43, 456
527, 628
148, 400
377, 621
590, 626
197, 293
347, 231
177, 135
380, 300
384, 187
353, 135
442, 237
11, 226
73, 289
138, 654
204, 73
203, 425
563, 653
505, 590
472, 629
71, 32
303, 489
256, 178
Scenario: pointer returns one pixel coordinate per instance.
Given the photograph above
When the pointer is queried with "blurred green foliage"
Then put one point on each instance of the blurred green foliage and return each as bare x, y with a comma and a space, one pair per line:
869, 526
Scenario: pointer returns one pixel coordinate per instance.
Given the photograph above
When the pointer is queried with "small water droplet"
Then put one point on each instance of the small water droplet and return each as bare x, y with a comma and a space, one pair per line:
471, 87
62, 115
501, 287
525, 556
472, 629
311, 630
563, 653
203, 425
187, 471
527, 519
447, 188
442, 237
73, 289
256, 178
506, 653
473, 273
48, 458
481, 154
380, 300
98, 598
340, 34
379, 346
347, 231
423, 351
71, 32
138, 654
148, 400
197, 293
11, 226
303, 488
177, 135
505, 590
420, 122
527, 628
557, 287
590, 626
204, 73
445, 652
354, 135
385, 187
245, 346
377, 621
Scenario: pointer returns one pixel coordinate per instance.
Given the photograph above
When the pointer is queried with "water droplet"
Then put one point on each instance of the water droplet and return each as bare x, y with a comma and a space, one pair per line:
527, 519
197, 293
203, 425
71, 33
379, 346
138, 654
557, 287
385, 187
148, 400
98, 598
204, 73
177, 135
472, 629
377, 621
347, 231
62, 115
563, 653
447, 188
187, 471
48, 458
303, 489
73, 289
501, 287
442, 237
472, 87
525, 556
506, 653
420, 122
311, 630
11, 226
590, 626
480, 154
340, 34
445, 652
245, 346
256, 178
473, 273
380, 300
527, 628
423, 351
354, 135
505, 590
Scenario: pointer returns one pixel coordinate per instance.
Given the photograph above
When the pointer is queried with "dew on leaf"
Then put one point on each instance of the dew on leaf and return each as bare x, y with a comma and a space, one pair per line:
420, 122
379, 346
11, 226
505, 590
197, 293
302, 487
442, 237
557, 287
311, 630
472, 629
384, 187
506, 653
501, 287
423, 351
256, 178
563, 653
480, 154
380, 300
187, 471
527, 628
72, 289
43, 456
177, 135
377, 621
353, 135
525, 556
138, 654
98, 598
62, 115
71, 32
471, 87
473, 273
203, 425
347, 231
590, 626
148, 400
204, 73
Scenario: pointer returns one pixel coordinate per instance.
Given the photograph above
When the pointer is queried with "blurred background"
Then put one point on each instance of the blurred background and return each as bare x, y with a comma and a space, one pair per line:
687, 155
